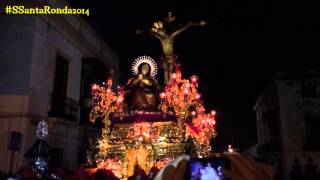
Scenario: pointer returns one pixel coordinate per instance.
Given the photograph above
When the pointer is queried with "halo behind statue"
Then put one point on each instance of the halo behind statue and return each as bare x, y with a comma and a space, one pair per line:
144, 59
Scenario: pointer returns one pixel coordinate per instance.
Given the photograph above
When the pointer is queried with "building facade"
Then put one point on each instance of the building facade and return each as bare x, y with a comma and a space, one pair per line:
47, 66
288, 120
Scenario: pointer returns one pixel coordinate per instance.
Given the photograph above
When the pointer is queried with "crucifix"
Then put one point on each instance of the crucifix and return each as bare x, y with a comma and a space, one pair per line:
159, 30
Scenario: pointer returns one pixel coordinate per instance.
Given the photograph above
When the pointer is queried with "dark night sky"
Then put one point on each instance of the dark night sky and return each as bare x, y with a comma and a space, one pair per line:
244, 44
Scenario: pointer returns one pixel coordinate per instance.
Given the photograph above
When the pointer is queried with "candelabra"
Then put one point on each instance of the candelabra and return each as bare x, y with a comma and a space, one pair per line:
182, 98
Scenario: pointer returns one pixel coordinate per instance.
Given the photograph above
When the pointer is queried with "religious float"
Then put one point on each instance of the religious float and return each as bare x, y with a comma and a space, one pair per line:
146, 125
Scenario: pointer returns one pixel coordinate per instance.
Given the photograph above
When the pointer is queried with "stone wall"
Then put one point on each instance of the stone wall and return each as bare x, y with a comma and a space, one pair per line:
27, 69
292, 109
291, 115
17, 34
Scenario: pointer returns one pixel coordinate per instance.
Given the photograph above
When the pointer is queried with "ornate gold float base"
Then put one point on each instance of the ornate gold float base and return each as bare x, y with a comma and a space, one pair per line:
143, 144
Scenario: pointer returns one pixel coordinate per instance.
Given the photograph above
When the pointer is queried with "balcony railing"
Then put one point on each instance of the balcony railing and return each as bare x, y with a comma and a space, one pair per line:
63, 107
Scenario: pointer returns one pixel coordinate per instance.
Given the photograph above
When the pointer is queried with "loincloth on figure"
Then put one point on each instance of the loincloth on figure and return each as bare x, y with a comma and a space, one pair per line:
168, 60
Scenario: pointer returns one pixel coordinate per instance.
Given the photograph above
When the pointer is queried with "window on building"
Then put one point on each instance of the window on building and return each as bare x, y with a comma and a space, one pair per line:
60, 105
61, 76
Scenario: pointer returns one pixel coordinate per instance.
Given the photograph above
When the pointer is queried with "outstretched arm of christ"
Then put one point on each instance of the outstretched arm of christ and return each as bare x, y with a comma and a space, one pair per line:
151, 32
202, 23
156, 35
172, 35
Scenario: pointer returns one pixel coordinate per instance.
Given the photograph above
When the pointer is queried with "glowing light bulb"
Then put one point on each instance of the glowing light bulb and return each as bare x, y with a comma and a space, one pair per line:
120, 99
213, 112
198, 96
193, 113
230, 149
162, 95
140, 138
194, 79
174, 75
95, 87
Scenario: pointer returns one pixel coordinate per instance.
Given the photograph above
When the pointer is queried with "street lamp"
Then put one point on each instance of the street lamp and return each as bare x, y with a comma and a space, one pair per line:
38, 155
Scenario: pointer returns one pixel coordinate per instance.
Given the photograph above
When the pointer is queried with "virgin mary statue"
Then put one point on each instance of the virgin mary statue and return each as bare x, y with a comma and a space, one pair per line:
142, 88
